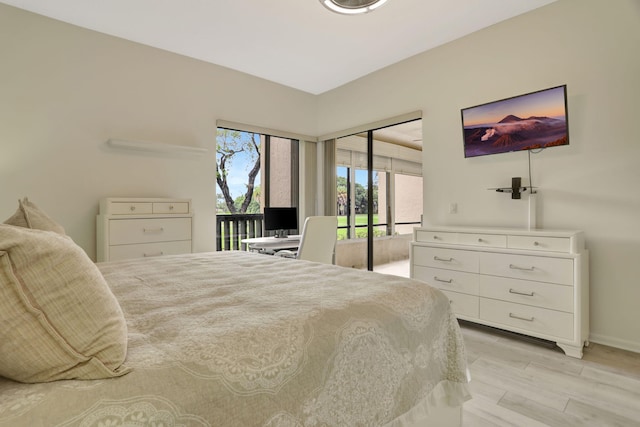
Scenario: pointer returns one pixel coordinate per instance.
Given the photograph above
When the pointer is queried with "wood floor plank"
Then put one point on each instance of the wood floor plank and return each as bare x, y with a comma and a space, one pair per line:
518, 381
589, 391
535, 411
606, 377
612, 359
487, 391
484, 412
592, 416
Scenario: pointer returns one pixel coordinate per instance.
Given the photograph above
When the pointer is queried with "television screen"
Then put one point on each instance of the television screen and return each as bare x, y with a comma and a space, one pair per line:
280, 219
525, 122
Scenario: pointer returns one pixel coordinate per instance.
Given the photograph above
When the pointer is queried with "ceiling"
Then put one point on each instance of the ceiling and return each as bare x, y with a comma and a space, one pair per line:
296, 43
408, 134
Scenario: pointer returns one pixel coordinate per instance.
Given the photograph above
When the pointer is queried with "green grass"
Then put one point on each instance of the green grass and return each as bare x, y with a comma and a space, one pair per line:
361, 219
361, 233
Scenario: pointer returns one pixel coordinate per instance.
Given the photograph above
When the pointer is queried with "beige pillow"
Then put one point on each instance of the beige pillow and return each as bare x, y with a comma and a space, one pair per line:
29, 215
58, 317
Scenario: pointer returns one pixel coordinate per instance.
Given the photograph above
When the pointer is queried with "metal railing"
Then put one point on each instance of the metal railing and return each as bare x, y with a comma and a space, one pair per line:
232, 228
360, 226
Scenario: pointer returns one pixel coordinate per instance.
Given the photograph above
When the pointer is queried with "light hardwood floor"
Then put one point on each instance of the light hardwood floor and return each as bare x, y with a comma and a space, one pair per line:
519, 383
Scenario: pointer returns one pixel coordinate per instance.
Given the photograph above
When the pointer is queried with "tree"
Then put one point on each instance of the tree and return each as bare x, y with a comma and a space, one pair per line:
254, 206
360, 196
341, 196
229, 144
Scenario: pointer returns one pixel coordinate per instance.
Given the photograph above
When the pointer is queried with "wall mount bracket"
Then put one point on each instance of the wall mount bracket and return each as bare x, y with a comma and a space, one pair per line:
516, 188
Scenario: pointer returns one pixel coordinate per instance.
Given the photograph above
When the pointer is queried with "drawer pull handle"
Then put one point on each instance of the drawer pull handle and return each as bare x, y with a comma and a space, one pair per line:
526, 294
481, 240
515, 267
170, 207
436, 238
437, 279
437, 258
528, 319
536, 244
153, 230
153, 254
132, 208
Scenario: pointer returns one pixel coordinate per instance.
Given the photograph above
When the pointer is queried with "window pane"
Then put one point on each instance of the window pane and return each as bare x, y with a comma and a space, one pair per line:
342, 202
381, 204
238, 172
280, 172
361, 201
408, 206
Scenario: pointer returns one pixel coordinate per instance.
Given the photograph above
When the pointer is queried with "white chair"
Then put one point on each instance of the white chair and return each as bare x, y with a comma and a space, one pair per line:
318, 240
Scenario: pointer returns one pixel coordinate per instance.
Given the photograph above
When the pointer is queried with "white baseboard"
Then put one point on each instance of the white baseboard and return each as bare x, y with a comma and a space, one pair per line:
615, 342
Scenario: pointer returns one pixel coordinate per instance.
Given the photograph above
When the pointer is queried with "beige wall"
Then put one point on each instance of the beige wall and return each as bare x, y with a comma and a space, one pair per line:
591, 185
353, 253
65, 90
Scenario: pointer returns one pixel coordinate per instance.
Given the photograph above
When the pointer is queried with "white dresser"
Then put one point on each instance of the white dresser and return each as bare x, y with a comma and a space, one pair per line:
143, 227
533, 282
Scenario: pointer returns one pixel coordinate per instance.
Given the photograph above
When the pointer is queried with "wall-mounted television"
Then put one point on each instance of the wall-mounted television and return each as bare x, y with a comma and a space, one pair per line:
280, 220
525, 122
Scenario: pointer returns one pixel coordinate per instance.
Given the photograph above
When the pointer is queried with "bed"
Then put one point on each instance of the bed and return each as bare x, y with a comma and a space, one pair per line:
244, 339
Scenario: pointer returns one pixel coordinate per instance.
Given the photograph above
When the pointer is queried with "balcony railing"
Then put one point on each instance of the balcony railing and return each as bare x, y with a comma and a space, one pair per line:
378, 232
231, 229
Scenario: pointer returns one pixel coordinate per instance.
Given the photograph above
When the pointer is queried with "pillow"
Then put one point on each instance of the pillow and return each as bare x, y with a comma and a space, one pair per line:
29, 215
59, 318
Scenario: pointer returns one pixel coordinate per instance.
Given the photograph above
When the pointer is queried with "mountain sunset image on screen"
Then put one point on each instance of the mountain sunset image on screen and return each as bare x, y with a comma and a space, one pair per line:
526, 122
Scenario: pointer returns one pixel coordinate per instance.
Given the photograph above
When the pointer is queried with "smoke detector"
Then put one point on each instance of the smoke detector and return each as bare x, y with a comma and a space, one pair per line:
352, 7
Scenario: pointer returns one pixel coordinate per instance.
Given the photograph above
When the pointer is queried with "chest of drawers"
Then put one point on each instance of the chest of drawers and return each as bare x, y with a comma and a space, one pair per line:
533, 282
142, 227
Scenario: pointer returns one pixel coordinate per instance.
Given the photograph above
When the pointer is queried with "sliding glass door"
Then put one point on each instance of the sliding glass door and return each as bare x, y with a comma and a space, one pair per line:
378, 195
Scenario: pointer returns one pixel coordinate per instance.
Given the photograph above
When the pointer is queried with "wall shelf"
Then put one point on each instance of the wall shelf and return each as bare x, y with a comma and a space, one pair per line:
515, 189
154, 147
512, 191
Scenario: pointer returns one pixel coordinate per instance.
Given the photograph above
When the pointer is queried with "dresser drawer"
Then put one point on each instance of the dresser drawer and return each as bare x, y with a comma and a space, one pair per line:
131, 208
450, 259
149, 250
463, 304
545, 295
528, 267
525, 318
487, 240
170, 208
537, 243
147, 230
436, 237
451, 280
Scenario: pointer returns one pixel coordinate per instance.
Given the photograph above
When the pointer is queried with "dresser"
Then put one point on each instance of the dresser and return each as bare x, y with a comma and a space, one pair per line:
143, 227
533, 282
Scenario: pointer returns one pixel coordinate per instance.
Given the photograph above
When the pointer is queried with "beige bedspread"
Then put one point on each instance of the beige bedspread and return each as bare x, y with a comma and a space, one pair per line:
242, 339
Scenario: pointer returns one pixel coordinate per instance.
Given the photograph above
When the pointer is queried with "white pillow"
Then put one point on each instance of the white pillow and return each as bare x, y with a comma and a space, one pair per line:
29, 215
59, 318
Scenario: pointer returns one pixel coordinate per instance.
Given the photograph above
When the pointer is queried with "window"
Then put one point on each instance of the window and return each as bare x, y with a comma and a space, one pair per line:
253, 171
343, 198
408, 202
